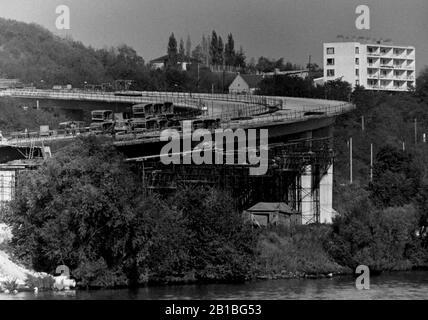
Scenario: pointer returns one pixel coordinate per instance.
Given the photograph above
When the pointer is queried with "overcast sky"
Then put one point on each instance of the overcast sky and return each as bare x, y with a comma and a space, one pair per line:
293, 29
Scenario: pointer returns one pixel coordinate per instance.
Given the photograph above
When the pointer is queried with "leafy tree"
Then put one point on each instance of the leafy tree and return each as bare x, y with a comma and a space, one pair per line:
220, 52
377, 238
229, 51
77, 210
422, 84
240, 58
221, 245
214, 50
396, 178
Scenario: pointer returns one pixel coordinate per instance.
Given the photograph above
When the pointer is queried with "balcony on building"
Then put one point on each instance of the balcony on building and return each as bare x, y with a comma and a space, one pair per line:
386, 63
373, 51
373, 62
386, 51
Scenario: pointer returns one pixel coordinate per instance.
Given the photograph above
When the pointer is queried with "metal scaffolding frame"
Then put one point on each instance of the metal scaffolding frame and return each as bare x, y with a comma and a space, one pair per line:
282, 183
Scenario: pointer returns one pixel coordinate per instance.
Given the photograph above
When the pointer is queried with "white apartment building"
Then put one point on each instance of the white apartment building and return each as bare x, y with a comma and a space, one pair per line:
373, 66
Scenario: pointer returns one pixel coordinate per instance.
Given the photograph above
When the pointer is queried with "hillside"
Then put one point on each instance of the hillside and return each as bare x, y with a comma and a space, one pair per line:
32, 53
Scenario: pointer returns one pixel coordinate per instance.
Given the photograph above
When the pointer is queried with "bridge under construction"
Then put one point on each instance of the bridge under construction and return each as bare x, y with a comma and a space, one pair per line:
301, 155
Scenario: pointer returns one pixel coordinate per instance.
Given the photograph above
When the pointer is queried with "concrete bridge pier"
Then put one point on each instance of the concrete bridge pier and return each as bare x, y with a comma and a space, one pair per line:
327, 212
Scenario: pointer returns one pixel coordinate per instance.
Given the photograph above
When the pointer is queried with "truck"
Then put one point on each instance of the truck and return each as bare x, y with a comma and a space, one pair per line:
45, 131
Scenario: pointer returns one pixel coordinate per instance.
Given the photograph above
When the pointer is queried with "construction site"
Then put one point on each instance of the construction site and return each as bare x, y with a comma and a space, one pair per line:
301, 155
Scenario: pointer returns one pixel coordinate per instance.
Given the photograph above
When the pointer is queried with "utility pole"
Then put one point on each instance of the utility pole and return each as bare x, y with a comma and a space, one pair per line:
309, 74
198, 77
350, 161
371, 162
362, 123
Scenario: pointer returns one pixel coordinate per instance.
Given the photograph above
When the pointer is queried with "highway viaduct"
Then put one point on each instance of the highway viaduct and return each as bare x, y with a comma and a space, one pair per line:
298, 122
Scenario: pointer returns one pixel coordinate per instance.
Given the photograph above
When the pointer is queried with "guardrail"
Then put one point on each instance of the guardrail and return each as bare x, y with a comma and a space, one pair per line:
262, 120
243, 105
140, 96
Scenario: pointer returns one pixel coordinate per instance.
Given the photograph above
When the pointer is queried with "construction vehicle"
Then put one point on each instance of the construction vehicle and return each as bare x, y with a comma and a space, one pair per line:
102, 121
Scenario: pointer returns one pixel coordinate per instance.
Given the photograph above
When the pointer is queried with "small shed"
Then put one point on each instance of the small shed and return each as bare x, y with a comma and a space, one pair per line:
274, 213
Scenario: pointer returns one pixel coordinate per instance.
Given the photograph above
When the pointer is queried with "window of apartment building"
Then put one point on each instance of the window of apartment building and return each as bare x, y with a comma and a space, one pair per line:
357, 82
330, 62
330, 50
330, 72
357, 61
357, 72
357, 50
370, 61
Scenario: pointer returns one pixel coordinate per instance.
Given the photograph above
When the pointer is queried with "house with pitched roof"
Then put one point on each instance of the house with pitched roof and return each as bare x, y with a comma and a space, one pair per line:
245, 83
273, 213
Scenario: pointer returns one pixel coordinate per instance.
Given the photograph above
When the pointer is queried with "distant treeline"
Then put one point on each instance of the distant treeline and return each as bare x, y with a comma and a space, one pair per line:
37, 57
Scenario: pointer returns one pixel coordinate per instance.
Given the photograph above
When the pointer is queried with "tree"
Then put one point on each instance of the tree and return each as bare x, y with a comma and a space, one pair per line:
422, 84
172, 51
240, 58
338, 90
220, 52
182, 50
221, 244
198, 54
265, 65
78, 207
396, 179
206, 50
229, 52
214, 49
188, 46
378, 238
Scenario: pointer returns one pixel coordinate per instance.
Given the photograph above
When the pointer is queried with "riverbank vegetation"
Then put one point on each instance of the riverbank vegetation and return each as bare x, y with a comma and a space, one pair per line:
86, 209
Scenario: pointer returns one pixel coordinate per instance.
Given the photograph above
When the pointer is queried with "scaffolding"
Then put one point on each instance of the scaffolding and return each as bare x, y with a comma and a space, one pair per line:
288, 164
7, 186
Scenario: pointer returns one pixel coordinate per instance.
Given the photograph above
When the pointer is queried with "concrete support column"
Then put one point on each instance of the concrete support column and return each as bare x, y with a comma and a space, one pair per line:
327, 212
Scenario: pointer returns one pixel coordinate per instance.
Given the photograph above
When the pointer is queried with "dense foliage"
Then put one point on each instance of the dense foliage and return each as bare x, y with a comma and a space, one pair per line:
291, 86
86, 209
382, 223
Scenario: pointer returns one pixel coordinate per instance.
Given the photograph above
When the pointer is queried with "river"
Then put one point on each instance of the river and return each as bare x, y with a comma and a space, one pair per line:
403, 285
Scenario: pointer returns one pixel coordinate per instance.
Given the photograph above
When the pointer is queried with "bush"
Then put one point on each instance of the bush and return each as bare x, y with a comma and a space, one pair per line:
220, 244
378, 238
297, 254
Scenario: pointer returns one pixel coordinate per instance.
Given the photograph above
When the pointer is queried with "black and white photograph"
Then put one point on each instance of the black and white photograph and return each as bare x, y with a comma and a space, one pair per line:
213, 150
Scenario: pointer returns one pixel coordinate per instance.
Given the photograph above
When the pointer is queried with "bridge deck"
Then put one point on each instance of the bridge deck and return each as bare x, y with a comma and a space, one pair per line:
293, 109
